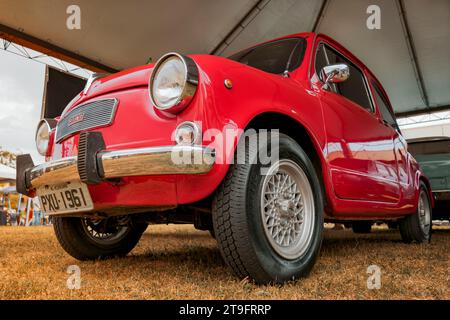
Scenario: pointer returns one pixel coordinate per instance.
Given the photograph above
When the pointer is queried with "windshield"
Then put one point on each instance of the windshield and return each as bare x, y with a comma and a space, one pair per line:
274, 57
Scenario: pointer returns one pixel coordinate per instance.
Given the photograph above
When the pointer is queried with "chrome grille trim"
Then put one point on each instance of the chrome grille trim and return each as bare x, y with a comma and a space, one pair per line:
95, 114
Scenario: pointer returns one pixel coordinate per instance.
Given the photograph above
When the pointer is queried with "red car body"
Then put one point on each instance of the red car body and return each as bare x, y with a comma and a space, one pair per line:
111, 171
366, 169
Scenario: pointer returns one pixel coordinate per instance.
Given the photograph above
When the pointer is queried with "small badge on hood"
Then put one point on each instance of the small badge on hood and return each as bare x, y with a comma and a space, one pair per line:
79, 117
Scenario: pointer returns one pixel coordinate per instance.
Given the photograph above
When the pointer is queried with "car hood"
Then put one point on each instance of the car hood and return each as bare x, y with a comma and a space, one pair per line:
130, 78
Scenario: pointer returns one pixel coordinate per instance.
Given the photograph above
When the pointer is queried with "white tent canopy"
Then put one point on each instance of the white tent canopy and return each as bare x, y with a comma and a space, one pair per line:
7, 173
410, 53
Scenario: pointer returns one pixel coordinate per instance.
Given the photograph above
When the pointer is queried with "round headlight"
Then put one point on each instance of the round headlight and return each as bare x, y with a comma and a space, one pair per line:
173, 82
43, 135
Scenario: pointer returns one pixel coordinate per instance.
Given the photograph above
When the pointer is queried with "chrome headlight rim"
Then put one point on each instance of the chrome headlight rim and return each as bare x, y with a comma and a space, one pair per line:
191, 76
49, 124
196, 131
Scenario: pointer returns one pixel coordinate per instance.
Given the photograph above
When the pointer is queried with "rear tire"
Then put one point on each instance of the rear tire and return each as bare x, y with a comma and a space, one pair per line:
245, 216
417, 227
84, 239
362, 226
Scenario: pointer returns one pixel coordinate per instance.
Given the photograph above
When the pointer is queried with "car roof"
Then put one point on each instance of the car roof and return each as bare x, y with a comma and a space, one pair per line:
336, 44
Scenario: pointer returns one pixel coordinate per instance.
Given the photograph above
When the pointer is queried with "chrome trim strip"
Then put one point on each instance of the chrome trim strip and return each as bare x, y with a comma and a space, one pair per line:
58, 170
129, 162
157, 161
92, 78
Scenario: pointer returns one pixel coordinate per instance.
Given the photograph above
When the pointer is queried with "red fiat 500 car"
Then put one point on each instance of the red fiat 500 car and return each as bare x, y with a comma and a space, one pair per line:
259, 148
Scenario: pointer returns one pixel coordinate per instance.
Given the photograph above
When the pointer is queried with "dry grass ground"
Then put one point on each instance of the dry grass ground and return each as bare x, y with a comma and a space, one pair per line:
178, 262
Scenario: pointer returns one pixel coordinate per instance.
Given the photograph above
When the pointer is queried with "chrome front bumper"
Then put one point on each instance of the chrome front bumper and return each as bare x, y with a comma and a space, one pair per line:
121, 163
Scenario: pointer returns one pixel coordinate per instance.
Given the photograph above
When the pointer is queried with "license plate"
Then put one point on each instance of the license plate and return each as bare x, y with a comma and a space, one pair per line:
67, 197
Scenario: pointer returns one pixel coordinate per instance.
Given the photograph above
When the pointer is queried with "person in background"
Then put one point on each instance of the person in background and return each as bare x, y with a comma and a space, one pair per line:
13, 217
3, 216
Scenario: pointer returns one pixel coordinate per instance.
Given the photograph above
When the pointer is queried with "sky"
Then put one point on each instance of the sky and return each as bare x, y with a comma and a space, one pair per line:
21, 90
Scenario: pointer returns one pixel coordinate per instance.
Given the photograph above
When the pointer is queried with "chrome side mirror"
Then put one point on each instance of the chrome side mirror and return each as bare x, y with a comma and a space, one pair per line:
334, 73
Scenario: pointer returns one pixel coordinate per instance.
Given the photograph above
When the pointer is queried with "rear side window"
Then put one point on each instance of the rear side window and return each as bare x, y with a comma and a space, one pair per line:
355, 88
274, 57
383, 105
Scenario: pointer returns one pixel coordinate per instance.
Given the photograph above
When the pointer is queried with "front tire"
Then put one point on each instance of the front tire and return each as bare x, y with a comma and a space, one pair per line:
89, 239
417, 227
269, 227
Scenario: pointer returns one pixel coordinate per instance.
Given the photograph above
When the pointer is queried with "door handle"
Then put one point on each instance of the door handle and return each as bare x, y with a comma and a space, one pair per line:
385, 123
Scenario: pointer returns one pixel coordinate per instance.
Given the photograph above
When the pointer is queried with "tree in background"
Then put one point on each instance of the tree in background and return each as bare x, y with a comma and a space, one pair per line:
8, 158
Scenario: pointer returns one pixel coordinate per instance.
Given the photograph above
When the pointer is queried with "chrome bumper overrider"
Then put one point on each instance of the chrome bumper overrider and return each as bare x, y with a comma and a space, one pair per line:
126, 163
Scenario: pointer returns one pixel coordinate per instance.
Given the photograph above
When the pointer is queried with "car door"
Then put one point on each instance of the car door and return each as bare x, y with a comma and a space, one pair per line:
400, 145
360, 147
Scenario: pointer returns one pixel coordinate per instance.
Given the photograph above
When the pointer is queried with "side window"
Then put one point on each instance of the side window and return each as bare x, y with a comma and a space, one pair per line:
355, 88
382, 103
321, 59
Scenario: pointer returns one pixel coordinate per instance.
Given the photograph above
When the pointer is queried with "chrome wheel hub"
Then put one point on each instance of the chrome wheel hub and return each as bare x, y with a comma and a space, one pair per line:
424, 212
287, 209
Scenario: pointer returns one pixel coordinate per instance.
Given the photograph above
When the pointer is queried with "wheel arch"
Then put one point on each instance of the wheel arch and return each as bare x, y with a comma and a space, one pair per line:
299, 132
424, 179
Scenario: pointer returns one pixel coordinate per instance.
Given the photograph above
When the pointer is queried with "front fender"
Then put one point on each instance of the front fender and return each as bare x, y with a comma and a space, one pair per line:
424, 179
419, 176
219, 108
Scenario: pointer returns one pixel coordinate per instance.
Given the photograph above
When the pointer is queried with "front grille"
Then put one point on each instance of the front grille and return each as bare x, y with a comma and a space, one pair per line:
86, 116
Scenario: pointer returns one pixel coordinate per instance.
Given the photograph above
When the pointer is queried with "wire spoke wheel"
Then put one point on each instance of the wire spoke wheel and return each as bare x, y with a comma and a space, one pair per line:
269, 227
105, 230
91, 238
287, 209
